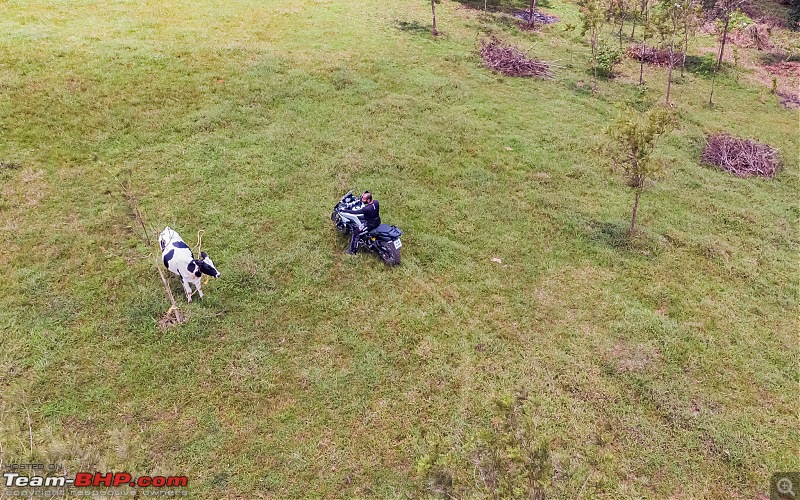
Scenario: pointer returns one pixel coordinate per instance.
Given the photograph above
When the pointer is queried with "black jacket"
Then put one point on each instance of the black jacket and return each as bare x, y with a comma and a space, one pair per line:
371, 214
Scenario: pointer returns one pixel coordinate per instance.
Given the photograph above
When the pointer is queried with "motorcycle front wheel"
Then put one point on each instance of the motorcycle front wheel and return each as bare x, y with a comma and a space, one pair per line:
337, 221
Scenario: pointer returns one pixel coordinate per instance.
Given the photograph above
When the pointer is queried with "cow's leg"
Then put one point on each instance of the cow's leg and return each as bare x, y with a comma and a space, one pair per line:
187, 289
197, 287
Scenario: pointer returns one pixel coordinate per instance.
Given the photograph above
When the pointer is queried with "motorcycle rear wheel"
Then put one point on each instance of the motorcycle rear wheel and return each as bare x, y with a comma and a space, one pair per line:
389, 254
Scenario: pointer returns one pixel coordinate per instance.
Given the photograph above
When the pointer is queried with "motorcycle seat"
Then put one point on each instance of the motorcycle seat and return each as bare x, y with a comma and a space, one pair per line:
386, 230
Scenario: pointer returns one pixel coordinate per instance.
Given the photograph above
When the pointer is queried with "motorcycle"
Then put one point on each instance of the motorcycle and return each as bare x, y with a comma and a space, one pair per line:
384, 239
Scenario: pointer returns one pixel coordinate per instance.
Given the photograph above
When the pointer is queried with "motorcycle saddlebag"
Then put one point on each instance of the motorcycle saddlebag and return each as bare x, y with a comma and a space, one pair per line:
386, 232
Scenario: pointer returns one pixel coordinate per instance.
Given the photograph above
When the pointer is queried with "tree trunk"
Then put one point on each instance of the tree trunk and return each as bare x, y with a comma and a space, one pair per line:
635, 208
530, 13
634, 27
433, 9
621, 25
711, 95
685, 49
724, 39
644, 41
719, 61
686, 27
174, 308
594, 61
641, 62
671, 65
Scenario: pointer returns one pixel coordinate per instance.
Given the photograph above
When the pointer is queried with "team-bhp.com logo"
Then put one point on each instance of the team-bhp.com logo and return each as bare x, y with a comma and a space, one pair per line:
89, 479
89, 484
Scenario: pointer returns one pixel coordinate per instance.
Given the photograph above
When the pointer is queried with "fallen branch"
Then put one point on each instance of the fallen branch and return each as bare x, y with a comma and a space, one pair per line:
580, 492
133, 202
30, 429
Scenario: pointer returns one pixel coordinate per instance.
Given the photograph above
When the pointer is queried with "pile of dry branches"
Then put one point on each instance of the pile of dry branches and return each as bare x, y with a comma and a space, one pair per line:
755, 35
754, 12
652, 55
538, 17
784, 68
741, 157
511, 60
788, 100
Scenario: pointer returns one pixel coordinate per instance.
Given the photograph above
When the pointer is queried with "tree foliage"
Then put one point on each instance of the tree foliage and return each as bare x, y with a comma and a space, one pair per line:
608, 57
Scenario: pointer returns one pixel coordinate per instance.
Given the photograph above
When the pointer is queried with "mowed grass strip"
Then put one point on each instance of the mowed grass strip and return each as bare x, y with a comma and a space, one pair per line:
659, 369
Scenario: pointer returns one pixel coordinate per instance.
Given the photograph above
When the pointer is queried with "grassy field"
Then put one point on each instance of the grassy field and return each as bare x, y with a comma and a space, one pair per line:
662, 369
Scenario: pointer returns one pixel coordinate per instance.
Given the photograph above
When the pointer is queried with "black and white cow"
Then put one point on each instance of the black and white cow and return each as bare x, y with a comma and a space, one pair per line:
179, 259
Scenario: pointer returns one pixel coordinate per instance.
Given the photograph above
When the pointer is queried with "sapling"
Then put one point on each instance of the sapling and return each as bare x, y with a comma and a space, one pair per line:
629, 145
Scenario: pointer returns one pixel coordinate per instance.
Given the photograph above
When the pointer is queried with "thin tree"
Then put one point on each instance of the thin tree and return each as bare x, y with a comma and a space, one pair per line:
636, 16
618, 11
433, 9
725, 9
670, 23
593, 19
133, 203
629, 147
530, 14
690, 24
644, 13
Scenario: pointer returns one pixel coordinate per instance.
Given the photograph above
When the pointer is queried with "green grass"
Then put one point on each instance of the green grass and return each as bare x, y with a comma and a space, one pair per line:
667, 368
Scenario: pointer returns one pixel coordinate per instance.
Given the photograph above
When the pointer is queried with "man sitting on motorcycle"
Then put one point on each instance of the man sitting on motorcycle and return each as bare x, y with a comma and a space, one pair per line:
372, 218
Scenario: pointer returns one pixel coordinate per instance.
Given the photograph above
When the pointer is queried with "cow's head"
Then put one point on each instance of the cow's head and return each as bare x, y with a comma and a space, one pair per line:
167, 236
206, 266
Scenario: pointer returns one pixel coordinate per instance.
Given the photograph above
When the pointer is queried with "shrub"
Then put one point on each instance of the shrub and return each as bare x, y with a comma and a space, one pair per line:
739, 20
607, 59
794, 15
